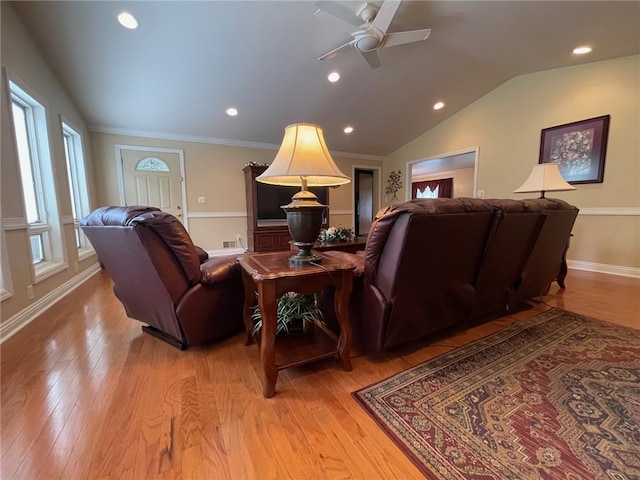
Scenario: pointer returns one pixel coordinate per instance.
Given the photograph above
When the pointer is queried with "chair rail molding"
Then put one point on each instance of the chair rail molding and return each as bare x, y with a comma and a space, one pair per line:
217, 215
611, 211
14, 224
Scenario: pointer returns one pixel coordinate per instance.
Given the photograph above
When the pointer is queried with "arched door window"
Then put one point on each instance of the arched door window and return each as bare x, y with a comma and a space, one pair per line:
152, 164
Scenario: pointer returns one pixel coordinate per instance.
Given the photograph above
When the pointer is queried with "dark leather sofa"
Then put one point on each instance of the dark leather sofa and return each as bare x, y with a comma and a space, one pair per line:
433, 263
162, 279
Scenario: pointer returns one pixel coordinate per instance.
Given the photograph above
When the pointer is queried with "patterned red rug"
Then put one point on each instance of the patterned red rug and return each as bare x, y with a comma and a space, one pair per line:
553, 397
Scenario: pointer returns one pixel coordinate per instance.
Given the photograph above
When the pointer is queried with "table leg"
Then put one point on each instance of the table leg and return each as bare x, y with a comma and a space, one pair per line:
341, 306
249, 302
268, 301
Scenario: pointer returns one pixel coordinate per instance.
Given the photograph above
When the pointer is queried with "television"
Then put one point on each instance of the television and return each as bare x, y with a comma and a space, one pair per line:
270, 198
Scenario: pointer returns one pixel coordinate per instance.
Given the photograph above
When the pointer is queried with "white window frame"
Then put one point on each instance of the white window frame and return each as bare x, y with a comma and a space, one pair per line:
49, 224
78, 188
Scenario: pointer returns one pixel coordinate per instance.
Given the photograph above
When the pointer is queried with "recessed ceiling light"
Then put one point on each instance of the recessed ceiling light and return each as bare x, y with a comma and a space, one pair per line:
438, 106
128, 21
348, 129
232, 112
333, 77
582, 50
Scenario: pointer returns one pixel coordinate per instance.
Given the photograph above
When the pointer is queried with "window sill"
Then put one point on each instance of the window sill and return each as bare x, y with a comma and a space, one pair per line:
48, 269
84, 253
4, 294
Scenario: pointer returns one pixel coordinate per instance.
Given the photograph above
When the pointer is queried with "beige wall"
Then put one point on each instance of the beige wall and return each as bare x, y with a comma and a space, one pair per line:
214, 172
22, 61
505, 125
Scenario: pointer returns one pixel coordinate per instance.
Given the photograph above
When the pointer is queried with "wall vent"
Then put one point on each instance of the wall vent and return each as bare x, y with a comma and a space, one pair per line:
229, 244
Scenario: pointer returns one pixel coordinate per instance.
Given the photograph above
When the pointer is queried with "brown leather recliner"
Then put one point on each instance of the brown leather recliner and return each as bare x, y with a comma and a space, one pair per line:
162, 279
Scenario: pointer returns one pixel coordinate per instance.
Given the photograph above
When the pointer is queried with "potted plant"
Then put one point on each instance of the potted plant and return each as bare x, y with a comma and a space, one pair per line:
336, 234
295, 312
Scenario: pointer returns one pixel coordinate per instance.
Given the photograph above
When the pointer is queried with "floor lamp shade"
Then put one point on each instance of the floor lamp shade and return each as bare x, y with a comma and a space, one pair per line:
304, 159
545, 177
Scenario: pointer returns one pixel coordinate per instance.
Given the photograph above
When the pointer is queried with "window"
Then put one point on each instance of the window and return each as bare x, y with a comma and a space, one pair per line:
152, 164
428, 193
440, 188
38, 183
77, 185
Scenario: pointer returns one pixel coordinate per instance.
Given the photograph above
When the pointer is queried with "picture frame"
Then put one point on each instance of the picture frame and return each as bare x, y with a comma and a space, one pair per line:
579, 149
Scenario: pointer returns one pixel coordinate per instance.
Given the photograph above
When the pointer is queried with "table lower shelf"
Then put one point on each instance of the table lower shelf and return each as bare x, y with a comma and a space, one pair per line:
294, 350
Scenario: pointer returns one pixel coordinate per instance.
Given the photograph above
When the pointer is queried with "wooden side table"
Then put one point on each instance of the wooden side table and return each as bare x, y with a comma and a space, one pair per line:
271, 276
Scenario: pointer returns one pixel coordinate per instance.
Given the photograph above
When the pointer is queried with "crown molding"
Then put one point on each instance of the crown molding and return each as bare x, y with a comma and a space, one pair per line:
212, 140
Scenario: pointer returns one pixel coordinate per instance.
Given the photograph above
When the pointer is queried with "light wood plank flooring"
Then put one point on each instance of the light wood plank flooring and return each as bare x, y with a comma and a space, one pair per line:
85, 394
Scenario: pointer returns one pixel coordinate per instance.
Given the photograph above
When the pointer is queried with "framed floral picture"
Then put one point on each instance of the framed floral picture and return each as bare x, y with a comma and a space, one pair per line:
578, 148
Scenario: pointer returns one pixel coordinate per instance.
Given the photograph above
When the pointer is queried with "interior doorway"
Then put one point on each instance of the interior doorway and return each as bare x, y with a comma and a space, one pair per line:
462, 166
364, 200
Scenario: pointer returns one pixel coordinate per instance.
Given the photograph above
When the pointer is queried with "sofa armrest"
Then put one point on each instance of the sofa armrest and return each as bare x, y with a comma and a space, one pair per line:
356, 259
220, 268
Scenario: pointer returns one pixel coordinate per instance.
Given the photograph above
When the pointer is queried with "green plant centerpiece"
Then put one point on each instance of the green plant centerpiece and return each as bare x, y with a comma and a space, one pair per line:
336, 234
296, 312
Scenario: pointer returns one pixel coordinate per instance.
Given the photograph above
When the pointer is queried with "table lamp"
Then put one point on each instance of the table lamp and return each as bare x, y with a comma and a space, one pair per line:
304, 159
545, 177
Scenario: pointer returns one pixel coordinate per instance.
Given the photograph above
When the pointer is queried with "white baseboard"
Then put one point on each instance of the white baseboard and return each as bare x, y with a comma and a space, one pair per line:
26, 316
604, 268
226, 251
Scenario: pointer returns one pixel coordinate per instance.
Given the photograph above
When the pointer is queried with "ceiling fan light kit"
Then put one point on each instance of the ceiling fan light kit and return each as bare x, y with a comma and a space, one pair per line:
372, 34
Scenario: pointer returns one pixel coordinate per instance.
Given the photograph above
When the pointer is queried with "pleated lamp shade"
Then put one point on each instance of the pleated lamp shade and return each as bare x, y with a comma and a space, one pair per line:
303, 154
304, 160
545, 177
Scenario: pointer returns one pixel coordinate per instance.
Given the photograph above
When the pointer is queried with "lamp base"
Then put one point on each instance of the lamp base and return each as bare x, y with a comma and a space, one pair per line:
304, 256
304, 218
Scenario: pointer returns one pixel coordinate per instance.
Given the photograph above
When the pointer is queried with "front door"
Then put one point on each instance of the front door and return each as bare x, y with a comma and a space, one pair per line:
152, 178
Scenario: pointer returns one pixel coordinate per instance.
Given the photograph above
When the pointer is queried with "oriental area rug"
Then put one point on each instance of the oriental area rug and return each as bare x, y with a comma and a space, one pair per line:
553, 397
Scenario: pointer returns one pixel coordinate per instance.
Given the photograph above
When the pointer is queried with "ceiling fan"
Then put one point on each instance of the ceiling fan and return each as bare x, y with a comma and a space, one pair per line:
373, 23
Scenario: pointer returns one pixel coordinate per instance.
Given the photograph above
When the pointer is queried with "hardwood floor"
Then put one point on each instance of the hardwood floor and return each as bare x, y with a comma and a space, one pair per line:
85, 394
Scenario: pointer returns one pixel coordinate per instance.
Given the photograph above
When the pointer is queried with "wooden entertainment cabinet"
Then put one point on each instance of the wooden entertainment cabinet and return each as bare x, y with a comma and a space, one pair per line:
265, 234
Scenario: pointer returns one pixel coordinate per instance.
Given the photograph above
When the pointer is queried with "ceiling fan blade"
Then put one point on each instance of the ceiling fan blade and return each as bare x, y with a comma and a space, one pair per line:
385, 15
339, 11
372, 58
400, 38
334, 52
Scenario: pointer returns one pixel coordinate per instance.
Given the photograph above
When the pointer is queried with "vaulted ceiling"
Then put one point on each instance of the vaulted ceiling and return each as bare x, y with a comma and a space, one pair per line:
189, 61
